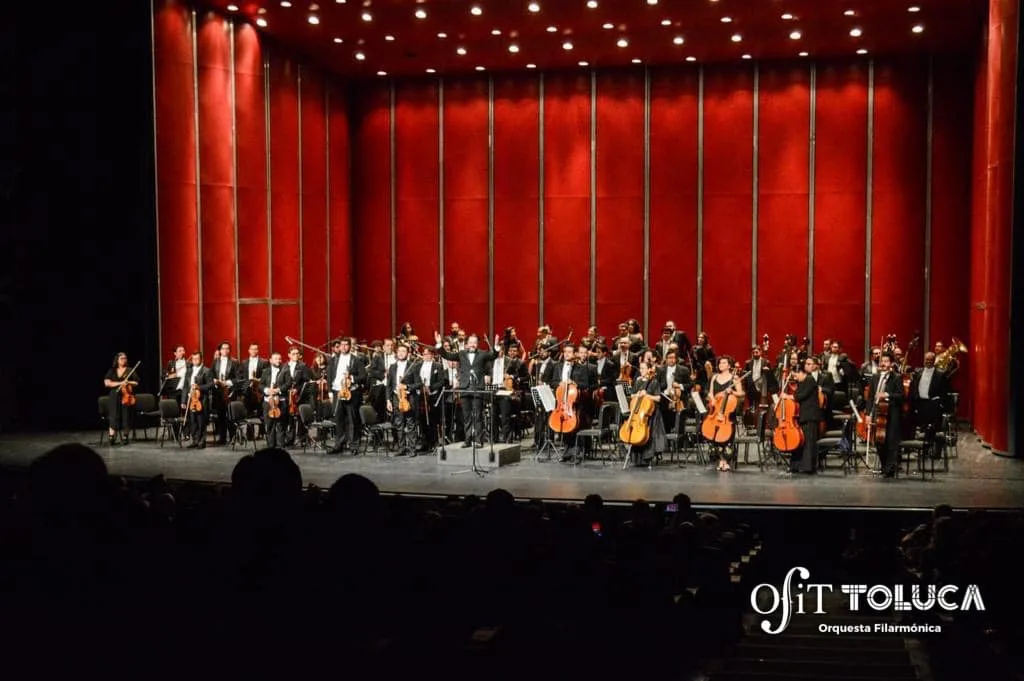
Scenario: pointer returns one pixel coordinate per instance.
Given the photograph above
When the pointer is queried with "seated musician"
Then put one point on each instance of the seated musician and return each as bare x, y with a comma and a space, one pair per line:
432, 380
725, 380
625, 361
584, 376
647, 384
928, 390
404, 372
119, 416
676, 380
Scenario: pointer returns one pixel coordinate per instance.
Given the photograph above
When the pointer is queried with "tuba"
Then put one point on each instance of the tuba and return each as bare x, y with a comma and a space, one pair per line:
956, 347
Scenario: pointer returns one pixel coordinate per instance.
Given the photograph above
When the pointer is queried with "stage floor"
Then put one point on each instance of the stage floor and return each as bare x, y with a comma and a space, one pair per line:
976, 479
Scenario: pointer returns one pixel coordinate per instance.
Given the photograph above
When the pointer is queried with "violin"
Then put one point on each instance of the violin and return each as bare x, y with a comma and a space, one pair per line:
509, 383
626, 372
195, 399
293, 401
126, 389
274, 412
564, 418
346, 388
635, 430
788, 436
718, 426
403, 399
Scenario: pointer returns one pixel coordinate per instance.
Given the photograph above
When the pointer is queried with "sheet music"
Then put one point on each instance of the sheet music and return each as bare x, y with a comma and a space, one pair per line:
860, 419
547, 398
699, 403
620, 395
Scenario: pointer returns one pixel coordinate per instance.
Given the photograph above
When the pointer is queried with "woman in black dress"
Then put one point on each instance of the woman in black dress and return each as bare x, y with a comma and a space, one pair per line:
721, 382
119, 415
647, 383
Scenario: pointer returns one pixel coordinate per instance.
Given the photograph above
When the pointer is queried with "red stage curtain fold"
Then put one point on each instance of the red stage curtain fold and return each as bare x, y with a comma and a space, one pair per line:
620, 198
314, 208
840, 204
728, 207
567, 203
340, 254
673, 210
516, 203
284, 183
466, 289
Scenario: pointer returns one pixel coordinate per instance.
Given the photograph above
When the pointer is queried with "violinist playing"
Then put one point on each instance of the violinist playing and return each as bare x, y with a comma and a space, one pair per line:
886, 385
198, 384
805, 459
647, 384
121, 381
403, 404
724, 380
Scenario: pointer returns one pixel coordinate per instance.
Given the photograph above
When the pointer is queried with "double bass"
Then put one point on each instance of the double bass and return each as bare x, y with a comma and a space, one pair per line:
635, 430
788, 436
717, 426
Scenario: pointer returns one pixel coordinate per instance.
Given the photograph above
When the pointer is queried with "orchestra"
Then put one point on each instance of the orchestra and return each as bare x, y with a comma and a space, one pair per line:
455, 390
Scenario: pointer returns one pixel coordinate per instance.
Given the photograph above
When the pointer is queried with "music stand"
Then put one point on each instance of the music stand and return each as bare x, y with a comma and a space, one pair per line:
444, 430
480, 472
544, 399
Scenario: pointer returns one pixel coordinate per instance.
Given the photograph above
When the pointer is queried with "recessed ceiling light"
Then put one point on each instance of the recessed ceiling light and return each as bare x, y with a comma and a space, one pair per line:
461, 51
261, 22
913, 8
261, 10
636, 61
592, 4
431, 71
338, 41
862, 51
666, 22
737, 38
803, 54
382, 73
856, 32
475, 10
795, 35
747, 56
583, 63
608, 26
389, 38
726, 20
531, 66
533, 7
479, 68
918, 29
495, 31
678, 40
285, 3
442, 36
850, 13
691, 59
513, 48
232, 8
622, 42
567, 45
367, 16
313, 19
552, 29
787, 16
360, 56
652, 2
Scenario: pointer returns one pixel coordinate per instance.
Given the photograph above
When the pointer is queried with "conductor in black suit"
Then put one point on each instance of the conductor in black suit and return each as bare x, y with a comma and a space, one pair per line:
473, 364
806, 397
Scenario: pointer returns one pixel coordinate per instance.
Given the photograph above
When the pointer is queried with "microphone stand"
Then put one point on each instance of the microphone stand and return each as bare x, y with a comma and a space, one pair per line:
474, 468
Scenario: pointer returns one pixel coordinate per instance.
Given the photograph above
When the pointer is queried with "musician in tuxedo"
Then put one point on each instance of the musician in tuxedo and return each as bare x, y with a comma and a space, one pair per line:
432, 380
200, 377
225, 373
473, 364
302, 381
887, 384
275, 382
681, 340
625, 361
512, 367
455, 428
174, 375
404, 372
704, 353
760, 381
669, 376
377, 372
805, 460
666, 341
824, 382
575, 368
928, 390
606, 372
346, 412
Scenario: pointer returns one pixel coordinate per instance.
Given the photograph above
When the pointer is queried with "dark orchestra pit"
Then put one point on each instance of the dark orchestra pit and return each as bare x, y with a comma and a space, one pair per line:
975, 479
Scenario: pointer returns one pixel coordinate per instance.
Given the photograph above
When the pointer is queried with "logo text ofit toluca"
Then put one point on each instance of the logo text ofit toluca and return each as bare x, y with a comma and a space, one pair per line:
800, 597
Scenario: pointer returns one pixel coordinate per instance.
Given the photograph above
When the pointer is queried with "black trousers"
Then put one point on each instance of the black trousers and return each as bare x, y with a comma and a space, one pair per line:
275, 428
928, 413
429, 417
345, 421
406, 424
805, 459
196, 422
502, 409
220, 408
119, 416
472, 417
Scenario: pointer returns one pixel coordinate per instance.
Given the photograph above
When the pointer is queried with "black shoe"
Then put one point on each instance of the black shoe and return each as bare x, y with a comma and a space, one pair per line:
412, 454
467, 444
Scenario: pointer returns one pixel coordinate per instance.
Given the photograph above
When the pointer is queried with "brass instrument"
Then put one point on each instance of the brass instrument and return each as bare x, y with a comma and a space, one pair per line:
956, 347
765, 343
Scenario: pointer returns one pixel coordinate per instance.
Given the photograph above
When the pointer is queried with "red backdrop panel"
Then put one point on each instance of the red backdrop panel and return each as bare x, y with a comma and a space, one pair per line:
977, 404
898, 224
314, 208
418, 181
783, 188
285, 321
339, 219
620, 198
176, 178
840, 200
673, 210
466, 290
284, 179
728, 207
371, 186
255, 323
216, 182
251, 142
567, 202
951, 200
516, 203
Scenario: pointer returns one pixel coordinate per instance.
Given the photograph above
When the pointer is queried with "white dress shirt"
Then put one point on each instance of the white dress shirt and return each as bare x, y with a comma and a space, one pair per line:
425, 368
670, 377
274, 371
400, 373
254, 364
180, 368
926, 382
498, 371
881, 386
343, 362
833, 367
566, 371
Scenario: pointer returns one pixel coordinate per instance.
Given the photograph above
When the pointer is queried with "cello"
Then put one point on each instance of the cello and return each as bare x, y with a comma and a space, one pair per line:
635, 430
717, 426
788, 436
564, 418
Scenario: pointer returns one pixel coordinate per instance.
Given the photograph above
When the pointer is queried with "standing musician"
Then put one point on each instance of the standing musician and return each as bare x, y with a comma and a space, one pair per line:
174, 377
636, 339
407, 334
824, 381
320, 377
928, 390
805, 459
505, 369
119, 416
378, 373
625, 361
722, 381
225, 371
346, 372
253, 369
887, 385
453, 423
666, 341
678, 337
199, 378
703, 353
870, 368
761, 382
647, 384
591, 340
607, 373
545, 339
788, 347
473, 363
275, 383
575, 368
673, 375
300, 379
404, 372
453, 333
432, 380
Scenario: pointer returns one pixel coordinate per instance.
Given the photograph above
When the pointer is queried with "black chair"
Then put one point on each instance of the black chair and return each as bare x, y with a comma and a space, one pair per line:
237, 424
919, 449
147, 414
171, 421
372, 431
600, 432
103, 404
